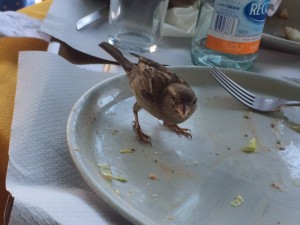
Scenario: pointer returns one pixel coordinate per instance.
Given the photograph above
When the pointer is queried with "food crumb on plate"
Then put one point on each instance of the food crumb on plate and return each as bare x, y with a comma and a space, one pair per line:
107, 173
152, 176
121, 179
113, 131
251, 146
171, 218
276, 186
154, 196
117, 192
127, 150
237, 201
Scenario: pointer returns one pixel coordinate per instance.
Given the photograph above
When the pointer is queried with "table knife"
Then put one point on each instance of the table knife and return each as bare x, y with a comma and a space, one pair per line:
92, 17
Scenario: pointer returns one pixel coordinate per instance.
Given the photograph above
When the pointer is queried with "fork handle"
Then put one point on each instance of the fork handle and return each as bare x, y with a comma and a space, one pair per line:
292, 103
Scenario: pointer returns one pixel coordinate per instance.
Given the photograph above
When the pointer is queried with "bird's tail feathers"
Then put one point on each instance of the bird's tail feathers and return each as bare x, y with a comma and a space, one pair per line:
117, 55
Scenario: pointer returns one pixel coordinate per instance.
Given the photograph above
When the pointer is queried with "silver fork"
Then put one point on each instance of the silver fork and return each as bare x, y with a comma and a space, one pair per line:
249, 99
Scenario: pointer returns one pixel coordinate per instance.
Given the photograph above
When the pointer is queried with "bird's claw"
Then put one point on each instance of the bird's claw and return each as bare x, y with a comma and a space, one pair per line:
180, 131
185, 132
142, 137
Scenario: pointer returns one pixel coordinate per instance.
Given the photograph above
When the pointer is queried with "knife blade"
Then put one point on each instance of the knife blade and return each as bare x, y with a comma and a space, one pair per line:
92, 17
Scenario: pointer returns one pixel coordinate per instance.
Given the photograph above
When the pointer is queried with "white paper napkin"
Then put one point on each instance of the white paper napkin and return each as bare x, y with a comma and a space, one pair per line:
15, 24
181, 22
41, 175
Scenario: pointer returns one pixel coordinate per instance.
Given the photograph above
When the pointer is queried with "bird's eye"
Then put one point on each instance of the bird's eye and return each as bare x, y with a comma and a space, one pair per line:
194, 102
173, 97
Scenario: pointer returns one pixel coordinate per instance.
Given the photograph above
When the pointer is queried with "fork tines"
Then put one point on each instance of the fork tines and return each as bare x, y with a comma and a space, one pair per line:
233, 88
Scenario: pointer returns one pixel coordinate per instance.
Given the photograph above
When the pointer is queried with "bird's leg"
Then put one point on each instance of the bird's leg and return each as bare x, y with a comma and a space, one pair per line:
136, 126
180, 131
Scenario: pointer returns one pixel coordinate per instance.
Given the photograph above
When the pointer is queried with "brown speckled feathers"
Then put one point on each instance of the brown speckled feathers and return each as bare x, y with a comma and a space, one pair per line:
158, 90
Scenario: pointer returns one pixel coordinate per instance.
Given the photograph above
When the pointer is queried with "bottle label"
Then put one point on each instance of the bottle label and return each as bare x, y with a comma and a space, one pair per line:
236, 26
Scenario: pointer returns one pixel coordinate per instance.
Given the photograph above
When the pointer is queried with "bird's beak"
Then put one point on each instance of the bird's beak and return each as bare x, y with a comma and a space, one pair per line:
183, 110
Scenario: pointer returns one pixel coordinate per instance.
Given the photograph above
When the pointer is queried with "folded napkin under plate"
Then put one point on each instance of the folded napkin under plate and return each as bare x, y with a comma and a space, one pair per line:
41, 175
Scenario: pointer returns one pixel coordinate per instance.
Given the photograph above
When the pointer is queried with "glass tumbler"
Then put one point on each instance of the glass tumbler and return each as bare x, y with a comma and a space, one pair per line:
134, 25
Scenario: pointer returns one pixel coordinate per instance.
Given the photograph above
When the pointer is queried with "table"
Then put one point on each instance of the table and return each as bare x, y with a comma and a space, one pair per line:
9, 48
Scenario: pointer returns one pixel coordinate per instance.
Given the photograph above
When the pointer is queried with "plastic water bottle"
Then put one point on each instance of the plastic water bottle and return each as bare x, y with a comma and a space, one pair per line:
228, 33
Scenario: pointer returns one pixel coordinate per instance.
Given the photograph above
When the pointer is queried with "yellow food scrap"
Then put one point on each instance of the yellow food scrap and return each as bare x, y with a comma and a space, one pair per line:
251, 147
237, 201
105, 171
121, 179
126, 150
107, 174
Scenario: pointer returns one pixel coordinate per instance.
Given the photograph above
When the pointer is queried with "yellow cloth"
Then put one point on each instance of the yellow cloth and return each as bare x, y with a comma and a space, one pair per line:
9, 49
38, 11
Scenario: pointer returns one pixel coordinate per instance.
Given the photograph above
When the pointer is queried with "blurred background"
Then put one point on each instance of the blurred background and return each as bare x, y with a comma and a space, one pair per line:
13, 5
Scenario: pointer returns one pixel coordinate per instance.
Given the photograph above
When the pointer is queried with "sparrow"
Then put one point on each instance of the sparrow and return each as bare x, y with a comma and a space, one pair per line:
158, 90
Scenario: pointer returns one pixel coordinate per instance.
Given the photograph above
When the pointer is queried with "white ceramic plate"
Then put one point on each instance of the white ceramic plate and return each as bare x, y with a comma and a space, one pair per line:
198, 178
273, 35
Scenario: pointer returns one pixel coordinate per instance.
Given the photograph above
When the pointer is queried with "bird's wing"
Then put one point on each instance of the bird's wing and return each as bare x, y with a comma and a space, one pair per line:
166, 74
152, 83
155, 77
